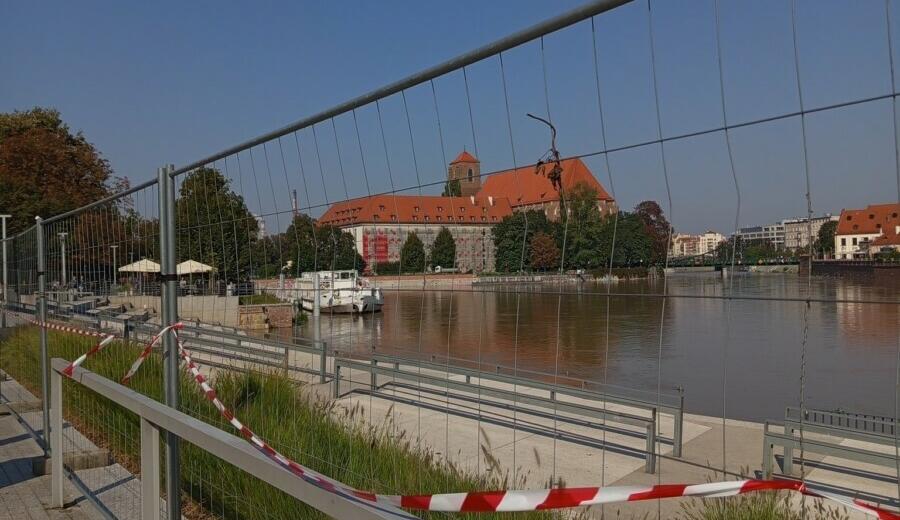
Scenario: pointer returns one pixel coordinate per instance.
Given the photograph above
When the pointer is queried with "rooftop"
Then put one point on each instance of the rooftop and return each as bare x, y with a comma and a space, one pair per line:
874, 219
425, 209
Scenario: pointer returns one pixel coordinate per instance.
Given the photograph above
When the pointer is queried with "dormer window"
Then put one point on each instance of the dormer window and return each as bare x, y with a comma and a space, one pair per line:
416, 209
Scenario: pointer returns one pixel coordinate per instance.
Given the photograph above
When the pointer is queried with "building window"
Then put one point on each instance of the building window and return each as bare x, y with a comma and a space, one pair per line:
854, 240
471, 174
381, 208
843, 241
426, 218
440, 209
415, 218
416, 209
394, 218
871, 216
849, 217
462, 209
438, 218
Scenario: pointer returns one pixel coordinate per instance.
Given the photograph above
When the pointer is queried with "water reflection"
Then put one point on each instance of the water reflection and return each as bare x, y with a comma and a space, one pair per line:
753, 346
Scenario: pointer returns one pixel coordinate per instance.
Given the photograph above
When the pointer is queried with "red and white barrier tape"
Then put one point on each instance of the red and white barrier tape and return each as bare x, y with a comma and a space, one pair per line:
146, 352
484, 501
107, 338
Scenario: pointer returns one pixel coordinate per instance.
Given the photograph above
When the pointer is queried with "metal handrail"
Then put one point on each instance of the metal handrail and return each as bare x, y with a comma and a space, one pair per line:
156, 417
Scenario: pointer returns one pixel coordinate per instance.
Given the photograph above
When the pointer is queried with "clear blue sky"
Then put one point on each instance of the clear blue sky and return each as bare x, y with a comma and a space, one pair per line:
152, 83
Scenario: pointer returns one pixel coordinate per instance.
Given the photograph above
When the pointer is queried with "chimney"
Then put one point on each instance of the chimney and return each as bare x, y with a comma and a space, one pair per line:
294, 207
472, 198
491, 200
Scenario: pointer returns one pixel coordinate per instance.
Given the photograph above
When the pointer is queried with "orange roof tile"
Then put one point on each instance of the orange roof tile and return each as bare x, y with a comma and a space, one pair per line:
464, 157
407, 209
524, 186
874, 219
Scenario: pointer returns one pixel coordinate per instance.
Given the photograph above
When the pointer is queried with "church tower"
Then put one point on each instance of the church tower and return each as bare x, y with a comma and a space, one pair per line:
466, 169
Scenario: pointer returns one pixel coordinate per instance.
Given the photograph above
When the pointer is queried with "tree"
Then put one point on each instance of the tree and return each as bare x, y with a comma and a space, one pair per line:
452, 189
412, 255
582, 227
544, 253
510, 238
443, 251
824, 243
215, 227
45, 169
657, 228
316, 248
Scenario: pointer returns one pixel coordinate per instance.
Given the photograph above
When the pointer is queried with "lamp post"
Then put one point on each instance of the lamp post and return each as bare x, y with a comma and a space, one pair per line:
115, 265
5, 280
62, 243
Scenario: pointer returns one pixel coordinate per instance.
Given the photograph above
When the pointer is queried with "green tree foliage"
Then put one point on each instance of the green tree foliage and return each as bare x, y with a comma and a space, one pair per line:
443, 251
824, 243
510, 240
45, 169
656, 227
317, 248
582, 227
412, 255
452, 189
751, 252
215, 227
544, 252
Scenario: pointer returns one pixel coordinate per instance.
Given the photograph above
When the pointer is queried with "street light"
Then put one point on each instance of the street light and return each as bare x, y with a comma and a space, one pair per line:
5, 281
62, 242
115, 265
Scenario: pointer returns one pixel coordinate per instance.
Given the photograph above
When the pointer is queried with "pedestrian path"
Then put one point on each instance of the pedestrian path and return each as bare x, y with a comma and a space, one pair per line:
23, 495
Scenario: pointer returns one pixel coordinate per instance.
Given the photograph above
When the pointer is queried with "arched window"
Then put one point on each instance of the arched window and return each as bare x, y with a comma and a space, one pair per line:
471, 174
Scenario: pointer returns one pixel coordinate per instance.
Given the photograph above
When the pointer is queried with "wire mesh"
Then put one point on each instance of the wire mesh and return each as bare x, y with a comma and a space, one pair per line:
558, 337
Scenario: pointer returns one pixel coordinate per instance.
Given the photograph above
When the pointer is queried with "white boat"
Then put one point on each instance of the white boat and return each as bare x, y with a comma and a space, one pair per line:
342, 292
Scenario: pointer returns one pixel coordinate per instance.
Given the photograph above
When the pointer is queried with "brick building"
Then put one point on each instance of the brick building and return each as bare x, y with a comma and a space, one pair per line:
381, 223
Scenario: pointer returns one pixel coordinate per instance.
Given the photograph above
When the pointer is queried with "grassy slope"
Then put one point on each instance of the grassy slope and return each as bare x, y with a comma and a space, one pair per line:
298, 427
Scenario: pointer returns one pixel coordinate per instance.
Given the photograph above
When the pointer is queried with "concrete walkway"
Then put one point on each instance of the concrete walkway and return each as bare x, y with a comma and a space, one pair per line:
23, 495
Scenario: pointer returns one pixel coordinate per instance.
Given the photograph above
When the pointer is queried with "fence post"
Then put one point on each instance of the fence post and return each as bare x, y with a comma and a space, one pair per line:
42, 318
5, 278
149, 471
56, 454
168, 306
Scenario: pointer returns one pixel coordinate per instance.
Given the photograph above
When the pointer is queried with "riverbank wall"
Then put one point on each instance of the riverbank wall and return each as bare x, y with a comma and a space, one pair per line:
887, 271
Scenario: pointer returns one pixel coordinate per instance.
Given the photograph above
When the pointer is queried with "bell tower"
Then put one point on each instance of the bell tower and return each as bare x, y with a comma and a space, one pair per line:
466, 169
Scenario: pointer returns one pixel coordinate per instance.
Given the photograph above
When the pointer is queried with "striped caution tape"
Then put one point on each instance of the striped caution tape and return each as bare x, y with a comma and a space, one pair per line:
145, 353
483, 501
521, 500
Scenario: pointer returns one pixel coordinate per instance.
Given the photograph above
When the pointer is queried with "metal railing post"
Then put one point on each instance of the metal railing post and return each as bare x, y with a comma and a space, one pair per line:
57, 499
323, 362
650, 466
678, 433
42, 318
169, 311
149, 471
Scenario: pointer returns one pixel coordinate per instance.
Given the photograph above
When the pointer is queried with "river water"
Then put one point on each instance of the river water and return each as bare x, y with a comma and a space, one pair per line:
740, 357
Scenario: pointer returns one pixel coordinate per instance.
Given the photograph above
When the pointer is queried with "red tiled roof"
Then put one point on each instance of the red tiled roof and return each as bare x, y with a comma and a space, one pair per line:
407, 209
523, 186
874, 219
464, 157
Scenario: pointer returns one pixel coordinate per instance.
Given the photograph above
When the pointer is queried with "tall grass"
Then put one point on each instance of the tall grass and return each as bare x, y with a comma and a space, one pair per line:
311, 432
